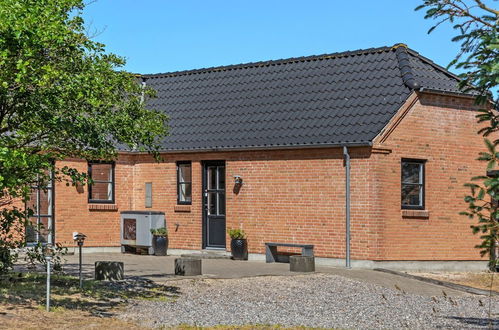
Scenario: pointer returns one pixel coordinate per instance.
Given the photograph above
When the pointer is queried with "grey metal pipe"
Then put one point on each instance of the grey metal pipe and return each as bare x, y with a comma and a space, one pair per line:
142, 96
347, 206
80, 260
48, 258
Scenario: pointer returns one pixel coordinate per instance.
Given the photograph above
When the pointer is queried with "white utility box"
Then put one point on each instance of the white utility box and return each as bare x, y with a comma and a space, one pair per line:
136, 228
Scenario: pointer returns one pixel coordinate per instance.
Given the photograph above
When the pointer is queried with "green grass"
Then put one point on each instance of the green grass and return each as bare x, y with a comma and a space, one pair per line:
66, 293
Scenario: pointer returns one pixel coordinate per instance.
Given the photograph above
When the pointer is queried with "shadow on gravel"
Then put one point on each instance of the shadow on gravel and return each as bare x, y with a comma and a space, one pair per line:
477, 321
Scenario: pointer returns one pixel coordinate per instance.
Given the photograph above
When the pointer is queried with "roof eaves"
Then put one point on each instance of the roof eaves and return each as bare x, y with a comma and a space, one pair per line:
446, 92
259, 148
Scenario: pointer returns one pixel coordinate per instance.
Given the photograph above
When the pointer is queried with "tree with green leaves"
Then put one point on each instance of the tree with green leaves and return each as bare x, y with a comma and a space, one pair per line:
61, 96
476, 23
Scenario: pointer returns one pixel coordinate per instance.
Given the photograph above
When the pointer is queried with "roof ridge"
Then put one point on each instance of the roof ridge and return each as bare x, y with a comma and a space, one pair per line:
405, 66
270, 62
435, 65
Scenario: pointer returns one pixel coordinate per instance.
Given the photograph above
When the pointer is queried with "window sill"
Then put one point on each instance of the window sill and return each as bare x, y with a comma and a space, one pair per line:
102, 207
420, 214
182, 208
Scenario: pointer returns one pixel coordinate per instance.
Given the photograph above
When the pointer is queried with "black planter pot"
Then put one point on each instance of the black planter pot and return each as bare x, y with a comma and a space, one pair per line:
239, 249
160, 245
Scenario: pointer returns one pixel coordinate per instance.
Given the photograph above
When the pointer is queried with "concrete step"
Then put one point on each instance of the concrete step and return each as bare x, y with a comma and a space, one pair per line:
207, 255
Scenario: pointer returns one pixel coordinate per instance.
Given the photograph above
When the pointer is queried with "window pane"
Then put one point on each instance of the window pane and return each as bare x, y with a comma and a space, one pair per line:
412, 173
31, 231
184, 171
221, 204
43, 230
102, 172
45, 207
212, 177
412, 195
38, 230
102, 191
49, 183
32, 203
212, 203
221, 177
185, 192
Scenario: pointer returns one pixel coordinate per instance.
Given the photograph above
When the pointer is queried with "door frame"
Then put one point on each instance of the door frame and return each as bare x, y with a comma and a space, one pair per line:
204, 234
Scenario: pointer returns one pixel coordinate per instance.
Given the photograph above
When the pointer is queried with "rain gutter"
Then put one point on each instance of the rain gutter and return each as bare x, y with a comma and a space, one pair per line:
346, 156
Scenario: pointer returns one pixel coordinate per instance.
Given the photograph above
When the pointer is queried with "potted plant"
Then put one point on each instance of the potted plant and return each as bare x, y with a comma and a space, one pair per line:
159, 241
238, 244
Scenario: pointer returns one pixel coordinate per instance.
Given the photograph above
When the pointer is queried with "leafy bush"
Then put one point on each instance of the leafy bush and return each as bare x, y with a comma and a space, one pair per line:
159, 231
7, 259
34, 256
236, 233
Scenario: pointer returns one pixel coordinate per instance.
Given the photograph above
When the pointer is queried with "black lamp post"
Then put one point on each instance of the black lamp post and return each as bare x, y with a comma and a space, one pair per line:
79, 239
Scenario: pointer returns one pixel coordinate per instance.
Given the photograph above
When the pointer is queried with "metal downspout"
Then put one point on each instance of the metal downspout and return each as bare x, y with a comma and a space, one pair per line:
347, 206
142, 95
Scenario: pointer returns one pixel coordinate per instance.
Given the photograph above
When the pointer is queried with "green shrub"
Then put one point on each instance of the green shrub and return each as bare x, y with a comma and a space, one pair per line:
159, 231
236, 233
34, 256
7, 259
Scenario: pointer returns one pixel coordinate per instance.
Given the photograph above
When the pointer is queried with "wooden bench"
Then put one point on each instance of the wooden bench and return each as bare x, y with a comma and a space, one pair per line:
271, 250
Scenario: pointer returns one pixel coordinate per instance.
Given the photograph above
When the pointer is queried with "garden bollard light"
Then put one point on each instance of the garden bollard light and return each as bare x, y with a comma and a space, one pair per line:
48, 253
79, 239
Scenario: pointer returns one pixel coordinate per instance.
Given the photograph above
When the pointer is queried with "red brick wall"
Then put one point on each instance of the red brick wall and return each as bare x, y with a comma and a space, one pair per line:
298, 196
441, 130
74, 213
294, 196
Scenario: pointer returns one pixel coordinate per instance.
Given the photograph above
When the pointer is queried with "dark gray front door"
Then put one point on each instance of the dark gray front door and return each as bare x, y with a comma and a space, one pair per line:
214, 204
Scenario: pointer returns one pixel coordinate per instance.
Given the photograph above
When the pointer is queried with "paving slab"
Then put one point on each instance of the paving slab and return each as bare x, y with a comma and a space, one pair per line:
161, 269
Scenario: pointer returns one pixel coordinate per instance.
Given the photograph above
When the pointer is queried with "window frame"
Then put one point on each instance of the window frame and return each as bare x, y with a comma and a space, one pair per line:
422, 184
184, 162
113, 183
38, 216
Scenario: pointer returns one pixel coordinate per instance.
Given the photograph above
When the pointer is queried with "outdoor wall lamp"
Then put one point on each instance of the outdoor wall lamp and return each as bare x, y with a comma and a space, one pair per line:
238, 180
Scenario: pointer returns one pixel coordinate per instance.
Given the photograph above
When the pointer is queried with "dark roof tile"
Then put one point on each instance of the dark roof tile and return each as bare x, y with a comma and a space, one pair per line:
329, 99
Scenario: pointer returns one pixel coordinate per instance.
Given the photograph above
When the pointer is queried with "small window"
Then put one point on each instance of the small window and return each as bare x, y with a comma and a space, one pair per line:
184, 183
413, 184
102, 188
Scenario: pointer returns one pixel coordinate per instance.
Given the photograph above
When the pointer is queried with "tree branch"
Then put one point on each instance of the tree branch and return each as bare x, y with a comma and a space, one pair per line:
484, 7
465, 12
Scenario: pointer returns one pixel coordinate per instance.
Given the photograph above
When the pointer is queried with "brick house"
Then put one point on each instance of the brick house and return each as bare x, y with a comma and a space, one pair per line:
287, 129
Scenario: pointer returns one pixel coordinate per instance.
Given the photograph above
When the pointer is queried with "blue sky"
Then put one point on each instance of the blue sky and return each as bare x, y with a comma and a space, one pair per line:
167, 35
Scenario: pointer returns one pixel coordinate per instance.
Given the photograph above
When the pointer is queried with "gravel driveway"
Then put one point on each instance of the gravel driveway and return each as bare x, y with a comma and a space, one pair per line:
318, 300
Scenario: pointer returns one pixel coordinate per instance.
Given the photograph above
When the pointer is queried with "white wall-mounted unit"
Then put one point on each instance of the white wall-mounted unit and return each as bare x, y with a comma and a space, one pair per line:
136, 228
